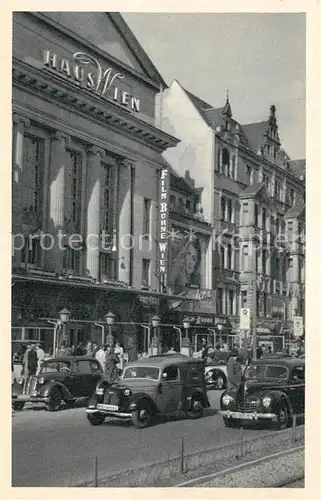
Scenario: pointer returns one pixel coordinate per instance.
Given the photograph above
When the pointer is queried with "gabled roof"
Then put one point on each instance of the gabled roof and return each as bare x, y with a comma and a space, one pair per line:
297, 167
177, 181
253, 190
295, 211
212, 116
255, 133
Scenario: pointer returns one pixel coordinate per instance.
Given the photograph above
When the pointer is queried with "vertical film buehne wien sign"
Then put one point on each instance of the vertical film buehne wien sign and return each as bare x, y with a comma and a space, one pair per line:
163, 226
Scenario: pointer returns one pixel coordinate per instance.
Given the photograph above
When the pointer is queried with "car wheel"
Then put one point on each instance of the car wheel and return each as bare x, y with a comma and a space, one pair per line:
142, 417
282, 417
18, 405
228, 422
196, 409
96, 418
55, 400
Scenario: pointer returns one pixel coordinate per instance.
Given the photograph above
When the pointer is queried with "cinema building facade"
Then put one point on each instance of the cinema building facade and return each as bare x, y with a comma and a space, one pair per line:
86, 176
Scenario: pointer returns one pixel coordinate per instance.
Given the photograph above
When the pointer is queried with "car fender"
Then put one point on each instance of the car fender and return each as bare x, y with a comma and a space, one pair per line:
46, 390
277, 397
139, 396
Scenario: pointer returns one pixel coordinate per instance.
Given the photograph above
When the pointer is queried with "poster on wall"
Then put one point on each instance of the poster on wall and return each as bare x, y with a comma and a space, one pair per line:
185, 262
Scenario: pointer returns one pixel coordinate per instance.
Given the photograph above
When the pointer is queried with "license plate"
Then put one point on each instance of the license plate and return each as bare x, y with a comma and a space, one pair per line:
102, 406
239, 415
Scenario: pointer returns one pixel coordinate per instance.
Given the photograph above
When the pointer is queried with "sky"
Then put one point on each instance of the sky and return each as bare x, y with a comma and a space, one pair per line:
258, 58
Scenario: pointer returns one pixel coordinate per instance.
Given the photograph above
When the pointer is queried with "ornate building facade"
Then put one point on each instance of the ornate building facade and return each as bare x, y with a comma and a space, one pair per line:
253, 195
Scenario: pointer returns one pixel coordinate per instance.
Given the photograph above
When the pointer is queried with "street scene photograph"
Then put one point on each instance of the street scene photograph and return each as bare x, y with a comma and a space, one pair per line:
158, 249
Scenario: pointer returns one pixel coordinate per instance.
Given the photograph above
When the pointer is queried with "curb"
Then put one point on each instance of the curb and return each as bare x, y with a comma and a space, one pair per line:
151, 474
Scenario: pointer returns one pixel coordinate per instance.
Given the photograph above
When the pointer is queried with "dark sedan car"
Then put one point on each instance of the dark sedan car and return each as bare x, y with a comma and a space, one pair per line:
60, 379
159, 385
272, 390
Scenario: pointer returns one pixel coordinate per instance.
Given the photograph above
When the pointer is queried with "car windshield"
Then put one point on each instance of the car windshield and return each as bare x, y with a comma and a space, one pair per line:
55, 366
141, 372
266, 371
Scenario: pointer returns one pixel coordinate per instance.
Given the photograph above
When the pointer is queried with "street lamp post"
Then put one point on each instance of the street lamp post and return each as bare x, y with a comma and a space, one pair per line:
64, 317
185, 342
110, 319
220, 328
155, 342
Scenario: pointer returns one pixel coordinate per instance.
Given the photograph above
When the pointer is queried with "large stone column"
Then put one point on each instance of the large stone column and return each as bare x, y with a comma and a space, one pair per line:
94, 156
20, 123
57, 169
125, 238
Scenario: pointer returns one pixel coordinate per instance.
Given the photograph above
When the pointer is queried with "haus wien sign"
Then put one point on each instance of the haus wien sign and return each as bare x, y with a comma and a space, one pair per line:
103, 82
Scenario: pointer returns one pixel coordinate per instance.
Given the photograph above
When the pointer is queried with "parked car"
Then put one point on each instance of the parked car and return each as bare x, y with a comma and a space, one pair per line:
272, 390
215, 376
159, 385
60, 379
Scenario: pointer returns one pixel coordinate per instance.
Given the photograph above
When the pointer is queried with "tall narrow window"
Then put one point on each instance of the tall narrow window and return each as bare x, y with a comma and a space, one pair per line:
145, 272
107, 266
229, 210
231, 302
223, 206
71, 260
264, 261
263, 218
248, 175
33, 173
106, 199
290, 231
232, 166
146, 217
218, 160
73, 190
277, 268
245, 214
229, 257
225, 161
222, 256
219, 301
256, 215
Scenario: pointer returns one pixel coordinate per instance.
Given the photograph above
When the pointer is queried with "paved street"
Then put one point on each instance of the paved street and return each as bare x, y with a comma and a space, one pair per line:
56, 449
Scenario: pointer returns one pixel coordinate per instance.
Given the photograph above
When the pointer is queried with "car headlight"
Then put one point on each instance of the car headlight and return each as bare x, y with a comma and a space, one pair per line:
99, 391
127, 392
41, 380
266, 401
226, 399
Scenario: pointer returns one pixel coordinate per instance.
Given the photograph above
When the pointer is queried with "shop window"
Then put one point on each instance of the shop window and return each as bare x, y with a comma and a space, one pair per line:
146, 218
145, 272
33, 174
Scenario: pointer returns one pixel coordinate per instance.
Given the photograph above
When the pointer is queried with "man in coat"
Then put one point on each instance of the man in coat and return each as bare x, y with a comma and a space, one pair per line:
234, 370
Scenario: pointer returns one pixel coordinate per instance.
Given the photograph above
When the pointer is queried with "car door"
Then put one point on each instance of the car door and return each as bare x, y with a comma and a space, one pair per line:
82, 376
169, 392
297, 389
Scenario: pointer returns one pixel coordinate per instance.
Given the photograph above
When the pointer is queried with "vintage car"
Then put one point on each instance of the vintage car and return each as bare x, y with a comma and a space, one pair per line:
67, 378
272, 390
159, 385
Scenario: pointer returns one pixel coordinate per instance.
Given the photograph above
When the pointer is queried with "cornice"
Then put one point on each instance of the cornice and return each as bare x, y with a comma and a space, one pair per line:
83, 101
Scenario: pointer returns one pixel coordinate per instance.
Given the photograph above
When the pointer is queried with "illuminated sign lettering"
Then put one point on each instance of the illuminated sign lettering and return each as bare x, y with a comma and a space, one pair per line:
163, 224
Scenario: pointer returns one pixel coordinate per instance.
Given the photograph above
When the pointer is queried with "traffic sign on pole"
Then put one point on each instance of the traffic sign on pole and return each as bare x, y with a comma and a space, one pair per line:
297, 326
245, 319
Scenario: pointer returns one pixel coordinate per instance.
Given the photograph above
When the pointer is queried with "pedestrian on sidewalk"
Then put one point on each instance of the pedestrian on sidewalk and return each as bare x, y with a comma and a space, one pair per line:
234, 370
101, 357
40, 357
119, 351
30, 361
